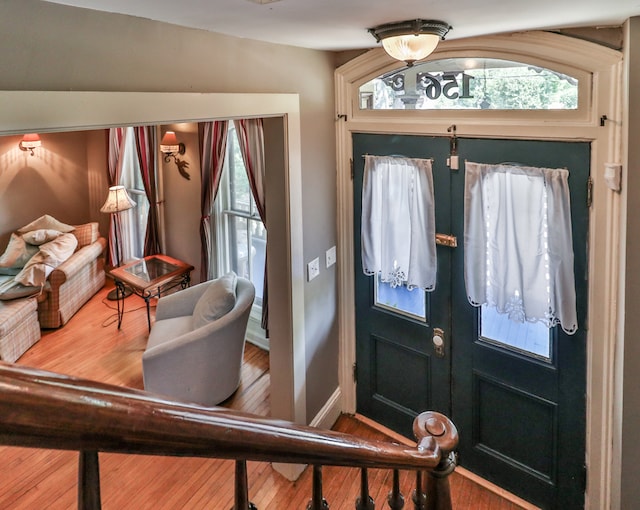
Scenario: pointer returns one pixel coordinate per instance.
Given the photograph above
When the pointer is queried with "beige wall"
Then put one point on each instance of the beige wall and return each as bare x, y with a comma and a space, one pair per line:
182, 200
46, 46
53, 181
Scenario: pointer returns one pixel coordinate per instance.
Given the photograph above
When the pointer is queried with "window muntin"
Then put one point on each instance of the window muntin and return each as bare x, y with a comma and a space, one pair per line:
471, 84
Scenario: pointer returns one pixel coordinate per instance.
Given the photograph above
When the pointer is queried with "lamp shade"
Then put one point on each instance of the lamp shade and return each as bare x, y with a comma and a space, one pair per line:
169, 143
117, 200
31, 141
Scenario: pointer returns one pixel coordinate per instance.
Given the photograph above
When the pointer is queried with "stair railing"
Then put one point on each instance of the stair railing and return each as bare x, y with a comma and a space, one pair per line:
91, 417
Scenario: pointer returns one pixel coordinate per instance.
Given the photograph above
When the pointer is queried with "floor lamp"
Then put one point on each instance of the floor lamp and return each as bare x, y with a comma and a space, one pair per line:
118, 200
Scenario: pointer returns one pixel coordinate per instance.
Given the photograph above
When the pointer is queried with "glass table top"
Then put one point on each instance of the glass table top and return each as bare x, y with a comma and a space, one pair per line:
151, 269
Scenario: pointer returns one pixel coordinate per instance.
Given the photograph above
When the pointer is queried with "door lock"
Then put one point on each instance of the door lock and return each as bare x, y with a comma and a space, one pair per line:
438, 342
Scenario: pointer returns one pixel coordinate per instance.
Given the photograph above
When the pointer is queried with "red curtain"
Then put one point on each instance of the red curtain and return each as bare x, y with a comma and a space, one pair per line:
213, 147
147, 145
251, 137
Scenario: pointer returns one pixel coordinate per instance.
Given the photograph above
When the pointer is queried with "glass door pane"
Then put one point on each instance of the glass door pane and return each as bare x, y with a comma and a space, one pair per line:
399, 299
532, 338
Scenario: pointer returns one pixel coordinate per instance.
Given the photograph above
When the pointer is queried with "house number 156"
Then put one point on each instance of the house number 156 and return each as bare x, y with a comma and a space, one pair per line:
446, 85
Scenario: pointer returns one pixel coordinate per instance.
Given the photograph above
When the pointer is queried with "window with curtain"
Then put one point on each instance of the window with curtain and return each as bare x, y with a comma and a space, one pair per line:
519, 252
398, 222
133, 221
241, 238
398, 232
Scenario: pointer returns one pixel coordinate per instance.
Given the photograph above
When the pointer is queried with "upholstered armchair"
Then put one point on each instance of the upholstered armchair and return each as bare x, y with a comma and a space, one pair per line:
196, 344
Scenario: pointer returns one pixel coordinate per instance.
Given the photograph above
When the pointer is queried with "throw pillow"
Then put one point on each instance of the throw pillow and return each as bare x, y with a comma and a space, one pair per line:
40, 236
217, 301
17, 253
46, 222
50, 256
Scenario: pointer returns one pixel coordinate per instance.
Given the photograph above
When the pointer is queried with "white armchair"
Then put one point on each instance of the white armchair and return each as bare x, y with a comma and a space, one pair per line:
197, 357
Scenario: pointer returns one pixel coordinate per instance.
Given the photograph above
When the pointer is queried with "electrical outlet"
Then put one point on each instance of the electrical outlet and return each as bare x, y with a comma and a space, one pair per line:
331, 256
313, 269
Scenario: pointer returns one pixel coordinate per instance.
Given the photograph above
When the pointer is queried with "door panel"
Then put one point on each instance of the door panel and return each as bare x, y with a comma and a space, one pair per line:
521, 415
395, 352
522, 425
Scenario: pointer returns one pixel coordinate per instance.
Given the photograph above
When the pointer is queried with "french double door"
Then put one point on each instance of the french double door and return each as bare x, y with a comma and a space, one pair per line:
517, 396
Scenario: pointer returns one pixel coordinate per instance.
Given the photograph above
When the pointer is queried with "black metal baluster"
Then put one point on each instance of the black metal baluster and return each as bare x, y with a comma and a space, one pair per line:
317, 501
88, 481
419, 496
364, 502
395, 498
242, 488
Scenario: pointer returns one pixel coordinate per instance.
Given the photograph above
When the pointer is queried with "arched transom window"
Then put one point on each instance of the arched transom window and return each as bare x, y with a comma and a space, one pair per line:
471, 84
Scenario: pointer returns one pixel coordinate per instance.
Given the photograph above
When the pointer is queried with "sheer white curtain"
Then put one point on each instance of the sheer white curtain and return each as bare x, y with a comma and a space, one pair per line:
518, 243
398, 221
250, 134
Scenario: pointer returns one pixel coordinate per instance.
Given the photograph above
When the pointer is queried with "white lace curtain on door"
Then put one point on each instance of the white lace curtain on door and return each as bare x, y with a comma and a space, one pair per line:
398, 221
518, 243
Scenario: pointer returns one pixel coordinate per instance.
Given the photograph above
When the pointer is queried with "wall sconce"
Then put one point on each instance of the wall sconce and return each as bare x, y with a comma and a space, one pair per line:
170, 147
411, 40
29, 142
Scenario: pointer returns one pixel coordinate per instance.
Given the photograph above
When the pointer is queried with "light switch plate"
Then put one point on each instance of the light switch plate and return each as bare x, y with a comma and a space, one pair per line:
313, 269
331, 256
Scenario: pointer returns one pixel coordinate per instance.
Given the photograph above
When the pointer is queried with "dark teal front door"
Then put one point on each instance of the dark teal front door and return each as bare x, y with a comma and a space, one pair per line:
520, 410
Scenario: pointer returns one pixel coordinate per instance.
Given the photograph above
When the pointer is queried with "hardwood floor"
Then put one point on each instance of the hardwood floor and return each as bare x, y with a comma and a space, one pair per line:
91, 346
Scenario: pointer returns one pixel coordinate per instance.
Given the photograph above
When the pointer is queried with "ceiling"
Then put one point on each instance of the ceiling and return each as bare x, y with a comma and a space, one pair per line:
343, 24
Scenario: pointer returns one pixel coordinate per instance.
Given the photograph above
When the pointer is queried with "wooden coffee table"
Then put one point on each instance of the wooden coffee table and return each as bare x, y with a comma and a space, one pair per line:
149, 278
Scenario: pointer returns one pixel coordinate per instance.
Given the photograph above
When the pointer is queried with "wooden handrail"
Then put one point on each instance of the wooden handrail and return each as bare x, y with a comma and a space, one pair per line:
88, 416
47, 410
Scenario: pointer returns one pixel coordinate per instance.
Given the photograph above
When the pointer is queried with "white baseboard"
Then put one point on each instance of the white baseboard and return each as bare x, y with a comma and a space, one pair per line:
255, 334
261, 343
330, 412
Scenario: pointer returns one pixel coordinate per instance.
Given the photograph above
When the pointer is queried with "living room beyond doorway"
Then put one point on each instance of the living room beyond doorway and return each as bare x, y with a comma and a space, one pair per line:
91, 346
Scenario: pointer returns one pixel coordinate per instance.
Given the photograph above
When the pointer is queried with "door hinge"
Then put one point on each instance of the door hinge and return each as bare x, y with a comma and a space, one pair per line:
351, 165
355, 372
589, 192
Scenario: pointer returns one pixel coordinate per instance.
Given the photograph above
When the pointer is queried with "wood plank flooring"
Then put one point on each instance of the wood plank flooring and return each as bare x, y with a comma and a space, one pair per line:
91, 346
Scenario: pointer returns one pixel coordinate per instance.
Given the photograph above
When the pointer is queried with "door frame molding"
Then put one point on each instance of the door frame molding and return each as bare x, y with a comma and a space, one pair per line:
605, 68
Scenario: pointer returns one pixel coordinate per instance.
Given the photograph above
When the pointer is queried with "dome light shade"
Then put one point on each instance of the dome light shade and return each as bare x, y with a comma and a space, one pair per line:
410, 48
412, 40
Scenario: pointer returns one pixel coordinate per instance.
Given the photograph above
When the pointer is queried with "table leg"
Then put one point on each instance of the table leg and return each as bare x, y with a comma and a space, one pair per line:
120, 295
147, 299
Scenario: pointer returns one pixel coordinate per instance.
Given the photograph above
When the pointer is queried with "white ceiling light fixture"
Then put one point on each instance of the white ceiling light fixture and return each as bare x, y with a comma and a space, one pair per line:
411, 40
